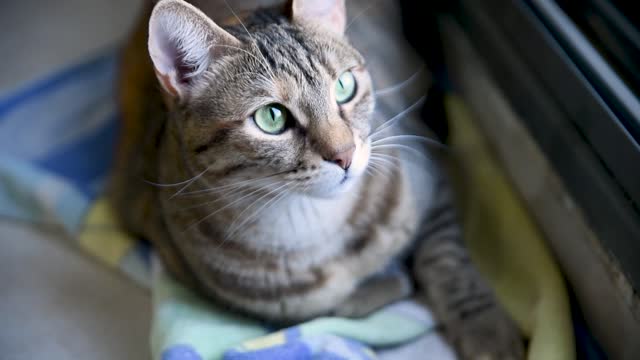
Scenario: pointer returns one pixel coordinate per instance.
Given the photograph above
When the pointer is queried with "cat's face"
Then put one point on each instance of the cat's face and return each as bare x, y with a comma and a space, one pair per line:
289, 104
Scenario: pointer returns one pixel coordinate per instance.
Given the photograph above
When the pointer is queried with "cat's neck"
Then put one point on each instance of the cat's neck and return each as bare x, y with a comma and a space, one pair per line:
297, 221
283, 226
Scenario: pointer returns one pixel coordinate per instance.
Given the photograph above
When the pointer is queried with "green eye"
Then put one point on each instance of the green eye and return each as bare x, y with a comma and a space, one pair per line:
271, 118
345, 87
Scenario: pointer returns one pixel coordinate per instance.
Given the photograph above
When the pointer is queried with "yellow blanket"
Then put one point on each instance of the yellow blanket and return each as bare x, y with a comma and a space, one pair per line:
507, 246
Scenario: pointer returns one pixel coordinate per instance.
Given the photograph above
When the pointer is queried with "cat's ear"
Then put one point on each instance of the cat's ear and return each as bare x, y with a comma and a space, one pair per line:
327, 15
183, 42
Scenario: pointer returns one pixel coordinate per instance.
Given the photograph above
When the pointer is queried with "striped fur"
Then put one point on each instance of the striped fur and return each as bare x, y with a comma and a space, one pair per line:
306, 240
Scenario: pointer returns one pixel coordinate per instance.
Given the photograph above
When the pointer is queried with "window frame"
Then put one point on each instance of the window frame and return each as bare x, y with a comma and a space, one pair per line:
537, 56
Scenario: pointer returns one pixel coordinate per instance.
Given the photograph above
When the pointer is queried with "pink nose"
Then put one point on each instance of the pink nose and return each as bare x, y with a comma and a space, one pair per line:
343, 158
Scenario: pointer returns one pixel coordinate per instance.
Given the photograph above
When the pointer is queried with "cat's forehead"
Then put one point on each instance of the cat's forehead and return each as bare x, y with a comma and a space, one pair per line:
284, 45
280, 62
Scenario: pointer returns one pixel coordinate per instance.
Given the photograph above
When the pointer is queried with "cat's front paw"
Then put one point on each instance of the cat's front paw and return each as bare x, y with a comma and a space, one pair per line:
487, 335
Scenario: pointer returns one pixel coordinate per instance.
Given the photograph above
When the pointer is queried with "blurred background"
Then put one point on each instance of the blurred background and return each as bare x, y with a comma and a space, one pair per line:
60, 305
40, 37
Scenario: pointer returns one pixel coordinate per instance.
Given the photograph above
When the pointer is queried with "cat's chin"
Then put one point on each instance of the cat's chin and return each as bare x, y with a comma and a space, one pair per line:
341, 187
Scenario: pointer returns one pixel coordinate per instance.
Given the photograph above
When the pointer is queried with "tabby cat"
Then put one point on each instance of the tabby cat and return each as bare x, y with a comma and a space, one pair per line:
267, 186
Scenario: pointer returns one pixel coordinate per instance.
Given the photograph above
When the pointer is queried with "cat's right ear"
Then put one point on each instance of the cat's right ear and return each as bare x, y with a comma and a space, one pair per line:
183, 42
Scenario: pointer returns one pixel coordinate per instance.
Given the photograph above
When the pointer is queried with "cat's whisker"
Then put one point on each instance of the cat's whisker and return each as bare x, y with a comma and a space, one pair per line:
371, 173
392, 156
256, 201
388, 167
377, 172
387, 124
379, 169
359, 14
397, 157
166, 185
222, 208
388, 161
234, 228
399, 86
193, 180
243, 185
214, 201
227, 186
400, 147
228, 194
424, 139
368, 171
188, 181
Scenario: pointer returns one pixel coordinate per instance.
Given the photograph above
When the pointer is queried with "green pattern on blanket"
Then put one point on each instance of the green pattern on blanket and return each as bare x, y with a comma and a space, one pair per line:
180, 318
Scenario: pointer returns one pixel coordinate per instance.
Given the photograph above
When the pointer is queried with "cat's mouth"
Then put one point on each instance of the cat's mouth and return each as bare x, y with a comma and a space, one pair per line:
359, 164
345, 178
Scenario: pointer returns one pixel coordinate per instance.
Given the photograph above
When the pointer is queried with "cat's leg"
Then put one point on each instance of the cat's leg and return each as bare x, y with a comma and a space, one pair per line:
375, 293
474, 322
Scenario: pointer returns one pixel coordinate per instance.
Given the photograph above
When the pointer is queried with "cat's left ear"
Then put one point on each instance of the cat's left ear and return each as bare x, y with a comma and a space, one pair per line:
183, 42
326, 15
